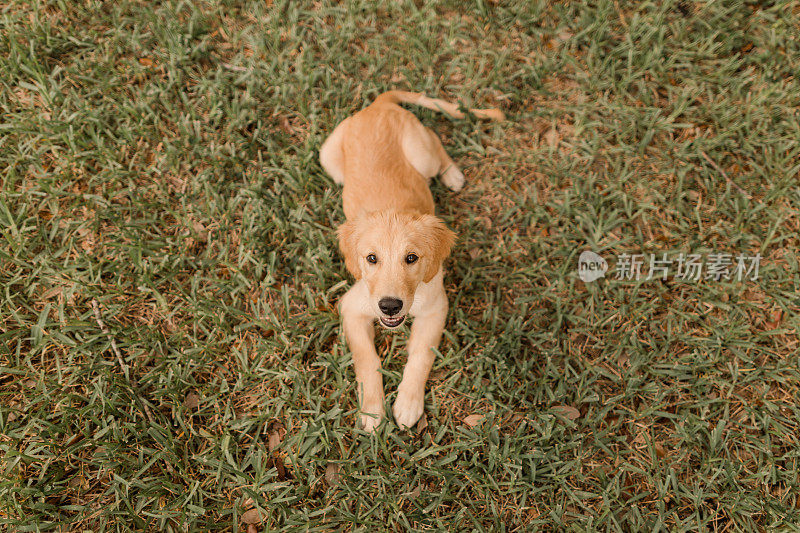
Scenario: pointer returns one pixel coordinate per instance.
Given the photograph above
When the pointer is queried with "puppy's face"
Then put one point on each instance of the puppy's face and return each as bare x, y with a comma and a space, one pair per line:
394, 253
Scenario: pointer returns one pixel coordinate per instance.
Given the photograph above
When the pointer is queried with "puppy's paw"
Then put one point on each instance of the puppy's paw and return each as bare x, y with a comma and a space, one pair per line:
453, 178
408, 407
370, 421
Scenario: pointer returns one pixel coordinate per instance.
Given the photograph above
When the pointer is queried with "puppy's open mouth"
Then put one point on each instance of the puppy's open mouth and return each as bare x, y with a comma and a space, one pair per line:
392, 322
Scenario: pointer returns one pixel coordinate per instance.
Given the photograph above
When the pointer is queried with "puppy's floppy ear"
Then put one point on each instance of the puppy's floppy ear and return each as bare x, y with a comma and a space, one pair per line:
347, 244
438, 241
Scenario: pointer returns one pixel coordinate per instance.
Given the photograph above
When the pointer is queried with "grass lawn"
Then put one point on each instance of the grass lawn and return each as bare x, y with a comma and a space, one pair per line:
170, 351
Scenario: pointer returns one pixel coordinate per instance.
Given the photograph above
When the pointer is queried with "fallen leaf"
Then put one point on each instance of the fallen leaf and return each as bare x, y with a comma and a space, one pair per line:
473, 420
253, 516
423, 423
200, 229
551, 137
775, 319
332, 475
564, 35
146, 61
415, 492
274, 440
281, 468
192, 401
661, 452
567, 411
55, 291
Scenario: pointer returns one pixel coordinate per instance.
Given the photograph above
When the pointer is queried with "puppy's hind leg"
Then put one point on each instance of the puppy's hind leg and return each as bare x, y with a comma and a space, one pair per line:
448, 170
331, 156
425, 152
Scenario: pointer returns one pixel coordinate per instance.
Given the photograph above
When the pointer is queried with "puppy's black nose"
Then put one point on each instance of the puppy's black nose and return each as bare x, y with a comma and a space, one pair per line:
390, 306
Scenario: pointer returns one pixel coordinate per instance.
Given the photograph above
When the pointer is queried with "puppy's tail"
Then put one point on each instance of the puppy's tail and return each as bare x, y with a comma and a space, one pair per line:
397, 97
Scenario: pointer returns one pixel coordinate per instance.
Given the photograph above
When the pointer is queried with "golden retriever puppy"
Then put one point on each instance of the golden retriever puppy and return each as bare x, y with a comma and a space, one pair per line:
392, 243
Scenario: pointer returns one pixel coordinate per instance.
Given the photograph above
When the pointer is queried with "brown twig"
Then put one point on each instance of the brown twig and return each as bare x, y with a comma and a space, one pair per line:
621, 15
120, 360
730, 181
235, 68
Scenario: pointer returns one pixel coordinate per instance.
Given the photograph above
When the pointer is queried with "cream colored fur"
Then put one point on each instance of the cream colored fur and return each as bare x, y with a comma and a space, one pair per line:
385, 157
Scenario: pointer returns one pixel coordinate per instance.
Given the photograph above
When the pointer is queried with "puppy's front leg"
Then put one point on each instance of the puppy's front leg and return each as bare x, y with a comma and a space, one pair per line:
360, 334
425, 335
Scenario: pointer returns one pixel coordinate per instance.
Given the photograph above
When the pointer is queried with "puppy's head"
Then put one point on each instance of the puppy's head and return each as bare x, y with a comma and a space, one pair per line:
394, 252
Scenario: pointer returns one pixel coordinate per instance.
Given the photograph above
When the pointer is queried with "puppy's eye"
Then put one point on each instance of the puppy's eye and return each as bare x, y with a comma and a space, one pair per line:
372, 259
411, 259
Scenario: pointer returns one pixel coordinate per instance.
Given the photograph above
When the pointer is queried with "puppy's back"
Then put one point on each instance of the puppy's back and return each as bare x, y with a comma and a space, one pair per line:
378, 177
